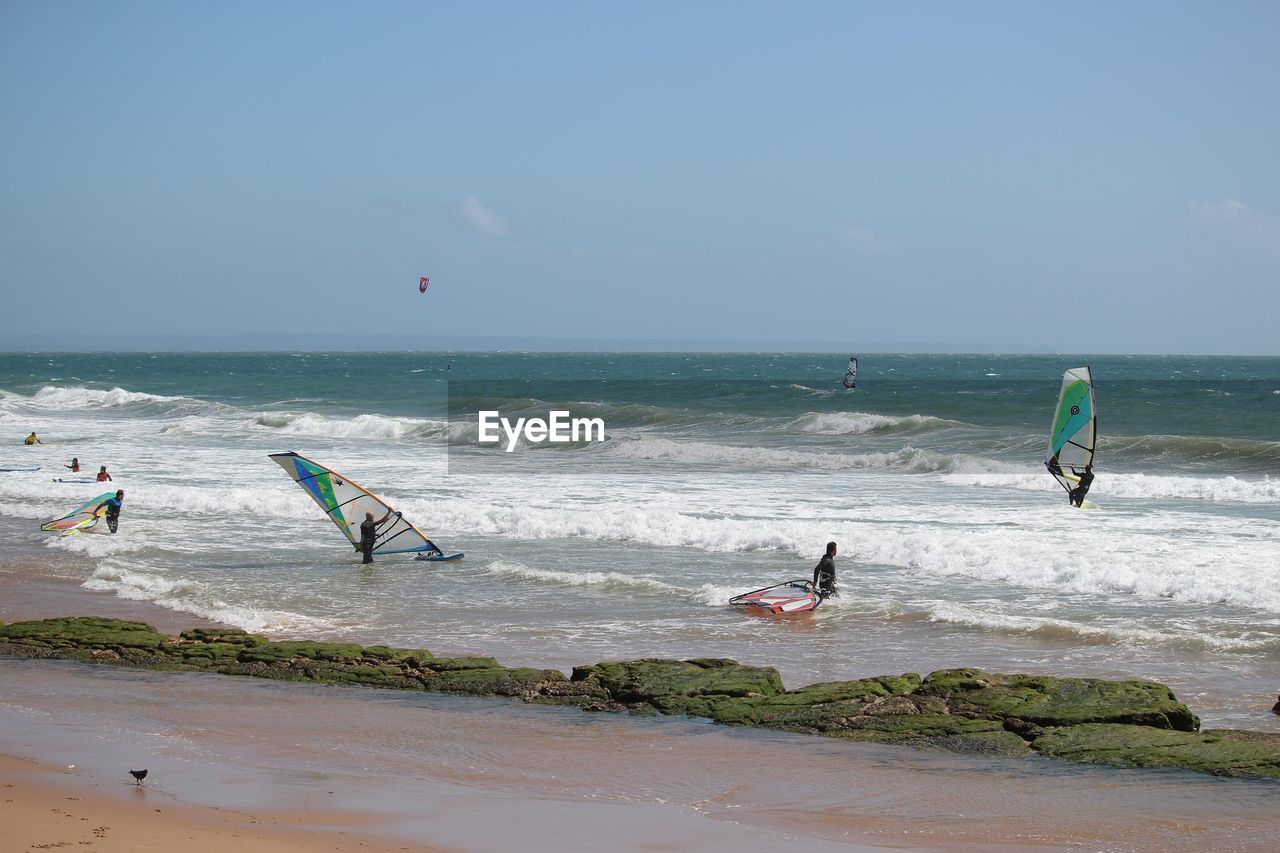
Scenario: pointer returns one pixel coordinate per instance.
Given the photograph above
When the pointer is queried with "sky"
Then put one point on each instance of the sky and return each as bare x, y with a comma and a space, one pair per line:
1072, 177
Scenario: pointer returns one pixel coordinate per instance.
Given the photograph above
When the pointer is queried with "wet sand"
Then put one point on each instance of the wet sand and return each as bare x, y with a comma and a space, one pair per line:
43, 807
399, 768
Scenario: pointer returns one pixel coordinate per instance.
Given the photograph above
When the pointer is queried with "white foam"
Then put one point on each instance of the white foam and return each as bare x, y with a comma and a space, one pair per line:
858, 423
511, 568
909, 459
985, 473
184, 596
360, 426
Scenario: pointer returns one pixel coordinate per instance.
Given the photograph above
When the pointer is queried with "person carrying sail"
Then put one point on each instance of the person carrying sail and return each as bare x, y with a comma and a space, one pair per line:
32, 439
824, 574
369, 534
114, 506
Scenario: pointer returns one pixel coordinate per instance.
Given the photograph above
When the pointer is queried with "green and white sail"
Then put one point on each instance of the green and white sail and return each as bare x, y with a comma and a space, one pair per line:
345, 503
1074, 433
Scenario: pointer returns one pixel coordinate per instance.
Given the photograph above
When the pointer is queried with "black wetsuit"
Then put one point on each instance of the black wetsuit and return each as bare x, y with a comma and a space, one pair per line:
1076, 495
824, 576
368, 535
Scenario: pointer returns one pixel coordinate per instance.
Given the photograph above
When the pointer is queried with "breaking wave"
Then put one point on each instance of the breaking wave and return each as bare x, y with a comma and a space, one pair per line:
860, 423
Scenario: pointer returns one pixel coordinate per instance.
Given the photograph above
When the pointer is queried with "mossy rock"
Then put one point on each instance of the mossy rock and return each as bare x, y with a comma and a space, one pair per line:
815, 705
460, 664
89, 632
1222, 752
206, 653
286, 651
656, 681
1052, 701
411, 657
496, 681
229, 636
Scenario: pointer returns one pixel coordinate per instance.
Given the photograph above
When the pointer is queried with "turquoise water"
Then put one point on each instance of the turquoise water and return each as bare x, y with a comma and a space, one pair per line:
721, 473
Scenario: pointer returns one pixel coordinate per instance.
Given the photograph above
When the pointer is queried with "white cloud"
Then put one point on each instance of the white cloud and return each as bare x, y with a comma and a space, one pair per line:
862, 239
1235, 220
481, 219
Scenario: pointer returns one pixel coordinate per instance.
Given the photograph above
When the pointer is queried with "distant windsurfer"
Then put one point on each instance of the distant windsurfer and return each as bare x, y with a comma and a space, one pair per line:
1076, 495
114, 505
369, 534
74, 466
103, 476
32, 439
824, 574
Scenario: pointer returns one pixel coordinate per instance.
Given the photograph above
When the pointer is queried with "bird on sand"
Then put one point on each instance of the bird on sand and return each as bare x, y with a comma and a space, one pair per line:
138, 774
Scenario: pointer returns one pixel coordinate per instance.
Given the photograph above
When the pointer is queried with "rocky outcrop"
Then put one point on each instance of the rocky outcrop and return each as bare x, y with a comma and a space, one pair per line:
1117, 723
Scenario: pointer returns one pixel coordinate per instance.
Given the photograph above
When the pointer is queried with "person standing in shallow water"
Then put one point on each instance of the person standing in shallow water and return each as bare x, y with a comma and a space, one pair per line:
369, 535
74, 466
113, 506
824, 574
103, 476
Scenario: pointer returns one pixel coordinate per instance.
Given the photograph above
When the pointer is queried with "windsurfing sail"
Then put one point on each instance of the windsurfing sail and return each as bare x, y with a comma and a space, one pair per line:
81, 518
794, 596
1074, 433
851, 375
346, 503
422, 283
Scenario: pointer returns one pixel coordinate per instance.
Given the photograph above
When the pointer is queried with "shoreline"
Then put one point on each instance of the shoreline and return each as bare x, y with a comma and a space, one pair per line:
560, 770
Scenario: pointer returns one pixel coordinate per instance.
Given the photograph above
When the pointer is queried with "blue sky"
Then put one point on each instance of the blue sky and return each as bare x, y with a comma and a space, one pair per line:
1086, 177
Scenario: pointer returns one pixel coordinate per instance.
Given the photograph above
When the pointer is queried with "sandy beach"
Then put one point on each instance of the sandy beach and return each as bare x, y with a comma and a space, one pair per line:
266, 765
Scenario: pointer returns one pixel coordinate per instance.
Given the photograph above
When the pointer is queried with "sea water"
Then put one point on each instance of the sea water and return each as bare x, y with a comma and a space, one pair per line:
720, 473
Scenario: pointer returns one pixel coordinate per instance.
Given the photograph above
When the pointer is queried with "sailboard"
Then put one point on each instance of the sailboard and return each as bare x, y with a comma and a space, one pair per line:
345, 503
19, 470
793, 596
851, 375
1074, 434
81, 518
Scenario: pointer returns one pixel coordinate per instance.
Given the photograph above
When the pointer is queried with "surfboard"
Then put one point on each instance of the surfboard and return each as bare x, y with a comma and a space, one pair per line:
19, 470
440, 558
74, 480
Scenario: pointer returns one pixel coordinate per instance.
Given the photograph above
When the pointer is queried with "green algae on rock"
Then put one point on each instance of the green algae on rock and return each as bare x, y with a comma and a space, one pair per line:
1118, 723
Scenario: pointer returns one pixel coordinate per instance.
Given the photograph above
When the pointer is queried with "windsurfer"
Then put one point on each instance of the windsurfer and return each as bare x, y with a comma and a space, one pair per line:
824, 574
32, 439
369, 534
114, 506
1076, 495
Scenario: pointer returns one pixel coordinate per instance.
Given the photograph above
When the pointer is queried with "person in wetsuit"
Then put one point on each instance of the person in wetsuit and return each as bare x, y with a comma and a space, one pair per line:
369, 535
103, 476
824, 574
1076, 495
74, 466
32, 439
114, 506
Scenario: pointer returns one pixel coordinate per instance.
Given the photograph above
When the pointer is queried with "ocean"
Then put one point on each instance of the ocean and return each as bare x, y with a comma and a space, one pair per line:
720, 473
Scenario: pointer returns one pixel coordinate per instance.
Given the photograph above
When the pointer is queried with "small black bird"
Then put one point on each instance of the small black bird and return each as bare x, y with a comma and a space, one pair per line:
139, 775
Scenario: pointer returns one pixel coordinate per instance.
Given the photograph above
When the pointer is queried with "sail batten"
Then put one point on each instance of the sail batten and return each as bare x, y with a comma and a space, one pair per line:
345, 503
